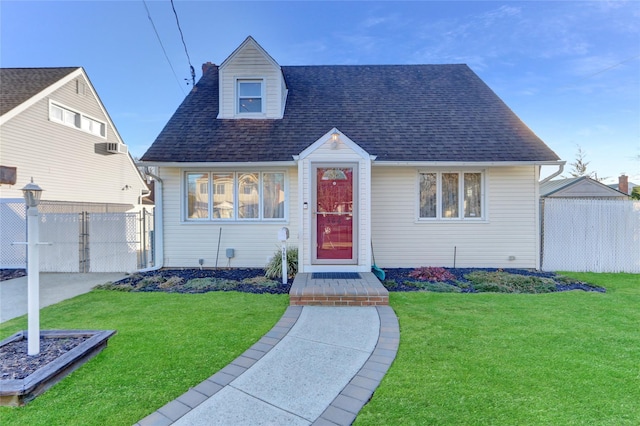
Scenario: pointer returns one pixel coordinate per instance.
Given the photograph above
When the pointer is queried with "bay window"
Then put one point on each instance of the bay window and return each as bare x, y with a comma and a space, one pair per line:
451, 195
235, 196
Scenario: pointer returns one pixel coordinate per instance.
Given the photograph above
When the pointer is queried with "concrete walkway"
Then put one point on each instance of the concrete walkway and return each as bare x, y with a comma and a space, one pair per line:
54, 288
318, 365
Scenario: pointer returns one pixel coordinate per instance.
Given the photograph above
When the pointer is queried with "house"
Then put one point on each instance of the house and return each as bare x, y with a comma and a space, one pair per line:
421, 165
55, 129
624, 185
580, 187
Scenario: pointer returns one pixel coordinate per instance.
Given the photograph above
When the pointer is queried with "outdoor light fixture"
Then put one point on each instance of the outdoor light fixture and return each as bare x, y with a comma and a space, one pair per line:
335, 138
32, 193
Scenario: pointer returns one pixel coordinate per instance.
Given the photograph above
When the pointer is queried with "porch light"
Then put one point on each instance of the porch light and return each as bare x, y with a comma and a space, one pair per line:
335, 138
32, 194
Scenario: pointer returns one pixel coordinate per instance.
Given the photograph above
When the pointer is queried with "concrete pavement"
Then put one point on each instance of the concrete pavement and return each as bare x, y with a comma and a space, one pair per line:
318, 366
54, 288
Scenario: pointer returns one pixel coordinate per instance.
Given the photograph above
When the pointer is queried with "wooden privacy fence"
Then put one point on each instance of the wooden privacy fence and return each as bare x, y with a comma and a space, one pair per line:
591, 235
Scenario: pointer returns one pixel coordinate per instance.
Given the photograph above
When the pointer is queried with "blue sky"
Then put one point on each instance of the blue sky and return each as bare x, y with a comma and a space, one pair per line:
569, 69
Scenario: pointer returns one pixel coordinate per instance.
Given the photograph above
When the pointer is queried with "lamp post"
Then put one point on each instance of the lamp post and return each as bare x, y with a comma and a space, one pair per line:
32, 193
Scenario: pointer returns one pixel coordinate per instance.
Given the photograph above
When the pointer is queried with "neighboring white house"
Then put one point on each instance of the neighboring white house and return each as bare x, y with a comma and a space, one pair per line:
580, 187
424, 163
55, 129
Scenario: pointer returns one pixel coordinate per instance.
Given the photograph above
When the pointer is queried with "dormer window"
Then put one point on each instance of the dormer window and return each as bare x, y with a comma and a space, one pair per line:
250, 96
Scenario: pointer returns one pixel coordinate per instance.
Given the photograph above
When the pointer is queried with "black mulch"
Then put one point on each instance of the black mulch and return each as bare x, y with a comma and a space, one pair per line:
394, 281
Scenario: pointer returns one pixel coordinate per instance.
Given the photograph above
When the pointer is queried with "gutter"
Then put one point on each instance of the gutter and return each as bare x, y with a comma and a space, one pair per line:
158, 234
557, 173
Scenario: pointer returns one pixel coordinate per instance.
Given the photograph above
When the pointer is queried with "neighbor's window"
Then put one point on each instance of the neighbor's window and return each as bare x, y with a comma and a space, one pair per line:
249, 96
77, 120
236, 196
451, 195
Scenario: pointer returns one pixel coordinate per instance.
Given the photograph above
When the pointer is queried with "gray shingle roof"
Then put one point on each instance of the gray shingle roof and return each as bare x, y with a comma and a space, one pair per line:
396, 112
17, 85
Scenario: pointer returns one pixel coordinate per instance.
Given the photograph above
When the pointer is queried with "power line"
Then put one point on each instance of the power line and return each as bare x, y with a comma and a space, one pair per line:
193, 72
600, 71
162, 46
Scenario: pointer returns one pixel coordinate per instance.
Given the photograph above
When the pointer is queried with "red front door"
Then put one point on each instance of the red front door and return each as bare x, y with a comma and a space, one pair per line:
334, 215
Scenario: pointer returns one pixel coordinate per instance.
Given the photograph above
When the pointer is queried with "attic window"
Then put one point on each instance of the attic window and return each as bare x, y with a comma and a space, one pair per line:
75, 119
249, 96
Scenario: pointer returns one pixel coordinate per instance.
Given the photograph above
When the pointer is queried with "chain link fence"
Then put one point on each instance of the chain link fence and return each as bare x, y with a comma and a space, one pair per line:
84, 237
591, 235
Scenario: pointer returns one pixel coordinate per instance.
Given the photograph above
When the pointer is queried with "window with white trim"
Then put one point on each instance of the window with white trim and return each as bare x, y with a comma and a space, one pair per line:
75, 119
250, 96
237, 196
451, 195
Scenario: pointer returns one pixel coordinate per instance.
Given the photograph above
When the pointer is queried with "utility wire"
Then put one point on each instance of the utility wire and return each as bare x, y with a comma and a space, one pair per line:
600, 71
193, 72
162, 46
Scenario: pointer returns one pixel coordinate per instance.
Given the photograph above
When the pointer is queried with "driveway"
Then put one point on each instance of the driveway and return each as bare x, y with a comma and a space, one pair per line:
54, 288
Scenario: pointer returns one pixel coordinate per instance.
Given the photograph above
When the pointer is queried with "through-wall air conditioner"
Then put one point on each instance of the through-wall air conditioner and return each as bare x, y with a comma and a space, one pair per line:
117, 148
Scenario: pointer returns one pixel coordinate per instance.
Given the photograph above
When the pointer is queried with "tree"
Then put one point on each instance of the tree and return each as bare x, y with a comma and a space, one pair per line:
635, 193
580, 166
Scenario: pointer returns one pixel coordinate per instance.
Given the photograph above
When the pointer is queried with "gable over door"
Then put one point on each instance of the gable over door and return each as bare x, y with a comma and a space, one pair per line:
335, 181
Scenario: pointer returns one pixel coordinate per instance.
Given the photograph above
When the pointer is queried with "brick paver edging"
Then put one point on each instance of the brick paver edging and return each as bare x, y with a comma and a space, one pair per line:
344, 408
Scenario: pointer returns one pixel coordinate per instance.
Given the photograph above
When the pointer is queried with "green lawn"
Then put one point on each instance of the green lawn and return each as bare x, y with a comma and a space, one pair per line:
165, 344
568, 358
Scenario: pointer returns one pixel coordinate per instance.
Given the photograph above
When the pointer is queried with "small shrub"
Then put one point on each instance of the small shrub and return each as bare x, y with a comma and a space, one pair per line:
150, 281
433, 274
199, 284
390, 284
209, 284
113, 287
174, 281
261, 281
274, 267
504, 282
436, 287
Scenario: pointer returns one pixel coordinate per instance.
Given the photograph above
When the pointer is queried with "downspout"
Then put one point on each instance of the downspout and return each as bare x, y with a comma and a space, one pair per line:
540, 214
158, 240
557, 173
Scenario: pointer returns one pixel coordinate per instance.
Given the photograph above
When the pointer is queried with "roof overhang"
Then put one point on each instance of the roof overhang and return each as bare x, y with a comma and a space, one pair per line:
468, 163
44, 92
211, 164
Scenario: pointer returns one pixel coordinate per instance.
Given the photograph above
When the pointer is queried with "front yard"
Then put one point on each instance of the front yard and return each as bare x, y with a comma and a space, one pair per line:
565, 358
569, 358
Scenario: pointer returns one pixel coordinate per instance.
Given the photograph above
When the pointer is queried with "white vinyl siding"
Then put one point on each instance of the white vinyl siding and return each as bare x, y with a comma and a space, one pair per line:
325, 154
509, 227
253, 241
250, 64
63, 160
